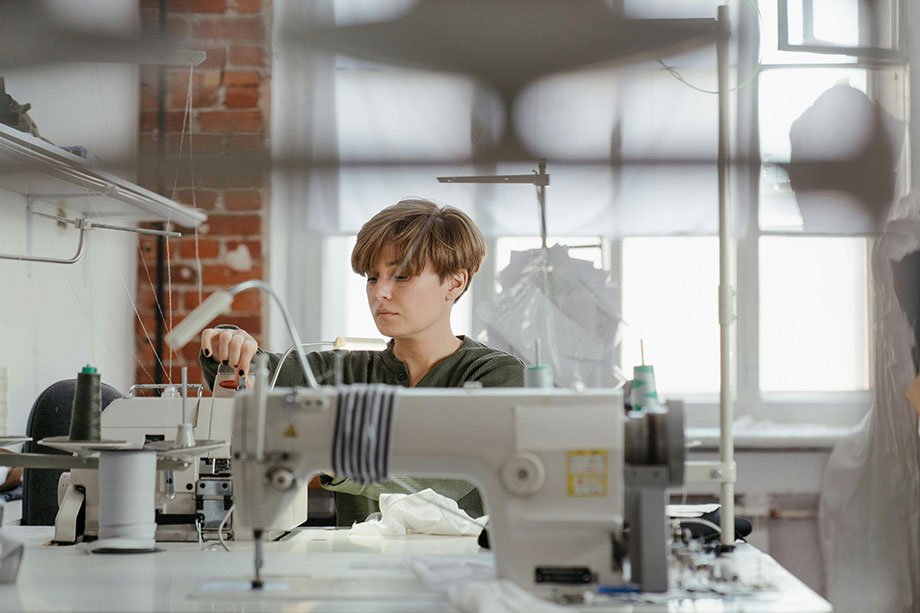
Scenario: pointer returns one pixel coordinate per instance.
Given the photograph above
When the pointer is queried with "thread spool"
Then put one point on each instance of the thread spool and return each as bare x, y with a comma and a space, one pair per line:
86, 414
538, 375
126, 501
644, 393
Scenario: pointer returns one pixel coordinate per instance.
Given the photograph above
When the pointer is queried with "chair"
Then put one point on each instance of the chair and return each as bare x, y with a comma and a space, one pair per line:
50, 416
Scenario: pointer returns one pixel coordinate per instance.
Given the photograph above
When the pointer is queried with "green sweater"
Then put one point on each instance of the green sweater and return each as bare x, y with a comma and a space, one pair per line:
473, 361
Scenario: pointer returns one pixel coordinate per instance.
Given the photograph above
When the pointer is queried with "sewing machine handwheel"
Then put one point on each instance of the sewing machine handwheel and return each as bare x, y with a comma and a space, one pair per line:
523, 474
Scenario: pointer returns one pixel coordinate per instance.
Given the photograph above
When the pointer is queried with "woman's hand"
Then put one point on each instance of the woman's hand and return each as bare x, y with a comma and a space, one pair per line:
231, 345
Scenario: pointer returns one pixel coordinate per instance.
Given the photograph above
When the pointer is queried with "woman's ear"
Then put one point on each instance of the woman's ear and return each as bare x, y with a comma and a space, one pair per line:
457, 283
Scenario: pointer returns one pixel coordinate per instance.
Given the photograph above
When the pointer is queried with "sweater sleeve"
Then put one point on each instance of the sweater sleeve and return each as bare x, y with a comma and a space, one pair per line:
451, 488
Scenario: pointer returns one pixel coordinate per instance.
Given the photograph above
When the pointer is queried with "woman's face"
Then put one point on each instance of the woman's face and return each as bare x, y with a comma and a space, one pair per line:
406, 306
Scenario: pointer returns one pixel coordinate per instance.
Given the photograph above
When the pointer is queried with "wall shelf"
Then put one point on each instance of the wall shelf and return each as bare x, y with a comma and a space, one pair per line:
40, 171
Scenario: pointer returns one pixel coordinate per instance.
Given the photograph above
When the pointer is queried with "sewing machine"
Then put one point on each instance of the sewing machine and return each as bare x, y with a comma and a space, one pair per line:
549, 464
190, 503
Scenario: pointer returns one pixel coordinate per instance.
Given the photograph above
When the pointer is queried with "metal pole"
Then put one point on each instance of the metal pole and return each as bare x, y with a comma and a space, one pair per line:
726, 287
161, 189
541, 197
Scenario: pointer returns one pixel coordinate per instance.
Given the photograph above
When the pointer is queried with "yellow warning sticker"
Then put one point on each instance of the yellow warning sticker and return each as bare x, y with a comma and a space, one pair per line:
587, 472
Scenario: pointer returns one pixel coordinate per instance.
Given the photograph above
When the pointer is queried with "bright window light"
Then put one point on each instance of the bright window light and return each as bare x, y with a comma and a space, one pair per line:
670, 303
813, 314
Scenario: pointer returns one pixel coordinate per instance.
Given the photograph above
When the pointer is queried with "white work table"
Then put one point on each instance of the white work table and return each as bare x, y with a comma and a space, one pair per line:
315, 570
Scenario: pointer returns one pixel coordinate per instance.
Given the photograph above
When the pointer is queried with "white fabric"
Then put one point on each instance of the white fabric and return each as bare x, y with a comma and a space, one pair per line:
424, 512
870, 498
566, 304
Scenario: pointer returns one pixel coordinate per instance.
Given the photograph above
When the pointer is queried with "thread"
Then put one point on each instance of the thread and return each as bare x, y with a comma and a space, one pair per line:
86, 414
538, 375
644, 394
126, 500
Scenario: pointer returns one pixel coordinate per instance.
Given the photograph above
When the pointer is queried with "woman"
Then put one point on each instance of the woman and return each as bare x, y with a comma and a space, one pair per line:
418, 259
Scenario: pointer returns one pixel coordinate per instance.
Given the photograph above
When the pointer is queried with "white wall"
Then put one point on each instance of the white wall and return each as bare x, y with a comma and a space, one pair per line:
56, 318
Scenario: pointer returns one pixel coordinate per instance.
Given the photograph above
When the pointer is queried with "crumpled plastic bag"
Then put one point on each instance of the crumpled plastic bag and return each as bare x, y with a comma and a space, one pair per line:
425, 512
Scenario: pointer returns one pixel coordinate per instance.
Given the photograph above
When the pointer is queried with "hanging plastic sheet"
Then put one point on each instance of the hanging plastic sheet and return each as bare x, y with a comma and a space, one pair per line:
870, 498
567, 305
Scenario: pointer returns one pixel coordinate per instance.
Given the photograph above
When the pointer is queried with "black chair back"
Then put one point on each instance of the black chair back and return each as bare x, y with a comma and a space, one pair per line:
50, 416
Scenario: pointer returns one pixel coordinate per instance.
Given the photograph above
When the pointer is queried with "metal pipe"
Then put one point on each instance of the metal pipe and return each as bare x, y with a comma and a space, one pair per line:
161, 189
67, 462
33, 258
726, 285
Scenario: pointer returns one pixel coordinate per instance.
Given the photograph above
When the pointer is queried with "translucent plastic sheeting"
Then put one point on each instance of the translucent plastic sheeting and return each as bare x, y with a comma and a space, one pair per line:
567, 305
870, 498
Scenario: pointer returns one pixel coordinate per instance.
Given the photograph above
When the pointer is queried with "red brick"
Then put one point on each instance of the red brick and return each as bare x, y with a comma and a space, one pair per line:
248, 302
247, 143
201, 199
184, 274
241, 98
234, 225
147, 245
246, 55
201, 144
149, 15
141, 377
231, 121
197, 6
215, 57
239, 28
149, 99
223, 276
249, 177
247, 6
189, 355
254, 247
177, 78
243, 201
201, 97
207, 248
147, 303
177, 26
173, 121
147, 143
242, 78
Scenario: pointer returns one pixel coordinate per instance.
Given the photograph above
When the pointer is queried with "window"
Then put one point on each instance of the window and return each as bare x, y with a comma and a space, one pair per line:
804, 339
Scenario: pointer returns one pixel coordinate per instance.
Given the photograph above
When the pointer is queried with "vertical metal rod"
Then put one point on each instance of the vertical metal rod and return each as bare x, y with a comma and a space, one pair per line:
726, 285
184, 393
541, 197
161, 189
257, 583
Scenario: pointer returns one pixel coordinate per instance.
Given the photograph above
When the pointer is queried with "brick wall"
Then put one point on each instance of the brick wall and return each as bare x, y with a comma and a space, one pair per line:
229, 120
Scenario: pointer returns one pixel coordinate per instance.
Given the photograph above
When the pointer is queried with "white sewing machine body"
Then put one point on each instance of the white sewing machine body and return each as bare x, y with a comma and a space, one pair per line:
549, 465
202, 492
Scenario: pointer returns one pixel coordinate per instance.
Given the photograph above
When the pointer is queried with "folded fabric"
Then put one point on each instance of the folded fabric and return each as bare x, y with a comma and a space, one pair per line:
425, 512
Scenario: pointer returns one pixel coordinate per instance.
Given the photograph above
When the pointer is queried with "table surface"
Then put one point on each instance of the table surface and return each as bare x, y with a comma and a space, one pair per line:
317, 570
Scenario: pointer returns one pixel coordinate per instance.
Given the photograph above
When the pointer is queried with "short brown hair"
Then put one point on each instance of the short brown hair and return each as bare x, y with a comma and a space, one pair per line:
445, 237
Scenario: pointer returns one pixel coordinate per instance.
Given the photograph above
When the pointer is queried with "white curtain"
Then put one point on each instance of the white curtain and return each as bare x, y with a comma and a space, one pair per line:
631, 150
870, 499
